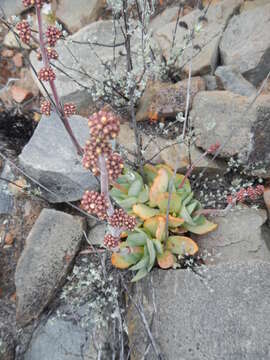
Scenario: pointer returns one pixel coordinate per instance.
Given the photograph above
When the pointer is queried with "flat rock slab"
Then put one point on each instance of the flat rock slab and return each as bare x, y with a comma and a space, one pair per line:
240, 236
219, 116
51, 158
246, 43
206, 41
49, 250
223, 316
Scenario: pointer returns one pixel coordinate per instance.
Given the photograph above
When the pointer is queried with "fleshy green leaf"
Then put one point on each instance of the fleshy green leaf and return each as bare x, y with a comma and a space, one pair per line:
127, 203
175, 203
143, 195
140, 274
205, 228
135, 188
144, 211
136, 239
152, 254
158, 246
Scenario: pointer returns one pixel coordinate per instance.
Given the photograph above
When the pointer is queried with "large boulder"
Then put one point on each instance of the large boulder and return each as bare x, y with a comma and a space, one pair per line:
51, 158
87, 11
227, 118
206, 41
46, 259
163, 100
246, 44
222, 314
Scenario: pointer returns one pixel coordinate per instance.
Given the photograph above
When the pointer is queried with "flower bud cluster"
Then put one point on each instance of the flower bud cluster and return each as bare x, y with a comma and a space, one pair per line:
46, 74
45, 107
120, 219
51, 54
104, 126
251, 193
53, 34
69, 109
95, 204
111, 241
24, 31
38, 3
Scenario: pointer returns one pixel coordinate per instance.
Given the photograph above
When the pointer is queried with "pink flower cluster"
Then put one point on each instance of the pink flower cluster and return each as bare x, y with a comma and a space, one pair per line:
251, 193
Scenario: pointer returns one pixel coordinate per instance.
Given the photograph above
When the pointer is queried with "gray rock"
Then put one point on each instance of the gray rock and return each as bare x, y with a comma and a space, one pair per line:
88, 57
205, 51
7, 343
80, 326
223, 315
49, 250
230, 79
13, 7
222, 116
96, 234
246, 44
87, 11
6, 202
210, 82
167, 16
240, 236
56, 340
51, 158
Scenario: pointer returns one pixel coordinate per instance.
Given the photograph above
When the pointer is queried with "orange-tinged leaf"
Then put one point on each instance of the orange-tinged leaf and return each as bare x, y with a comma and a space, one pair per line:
175, 203
144, 212
166, 260
119, 262
182, 245
205, 228
138, 250
119, 187
161, 229
151, 225
159, 185
150, 172
175, 222
179, 230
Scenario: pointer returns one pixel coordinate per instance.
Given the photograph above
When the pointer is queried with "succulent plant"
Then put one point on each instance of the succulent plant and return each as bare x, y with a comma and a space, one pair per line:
148, 244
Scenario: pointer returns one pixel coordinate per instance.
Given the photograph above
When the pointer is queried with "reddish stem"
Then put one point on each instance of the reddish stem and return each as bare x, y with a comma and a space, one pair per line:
104, 183
53, 87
